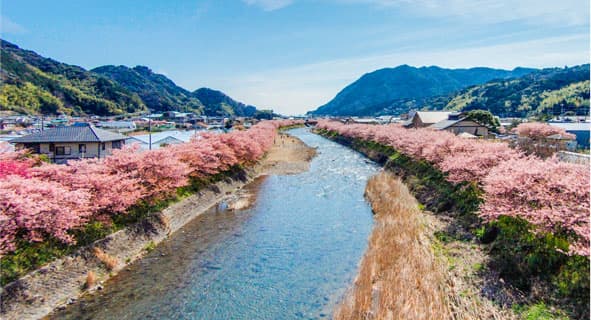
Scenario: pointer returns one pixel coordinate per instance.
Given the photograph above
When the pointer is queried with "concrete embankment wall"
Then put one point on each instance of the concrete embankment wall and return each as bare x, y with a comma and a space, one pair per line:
38, 293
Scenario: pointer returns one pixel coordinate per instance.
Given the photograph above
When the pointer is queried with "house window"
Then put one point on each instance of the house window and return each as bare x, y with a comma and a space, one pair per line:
103, 146
34, 147
51, 147
63, 151
81, 148
116, 144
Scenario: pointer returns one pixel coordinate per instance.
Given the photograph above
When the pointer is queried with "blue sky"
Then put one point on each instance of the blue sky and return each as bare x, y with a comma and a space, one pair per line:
294, 55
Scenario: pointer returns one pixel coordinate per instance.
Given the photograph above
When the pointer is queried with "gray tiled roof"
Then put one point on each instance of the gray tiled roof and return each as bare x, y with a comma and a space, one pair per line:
70, 134
444, 124
433, 116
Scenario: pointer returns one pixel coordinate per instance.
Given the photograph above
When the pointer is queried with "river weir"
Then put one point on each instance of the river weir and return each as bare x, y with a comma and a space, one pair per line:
290, 255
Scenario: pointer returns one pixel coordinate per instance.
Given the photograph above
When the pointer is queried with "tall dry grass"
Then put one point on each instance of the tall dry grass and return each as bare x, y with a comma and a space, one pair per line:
401, 277
91, 279
110, 262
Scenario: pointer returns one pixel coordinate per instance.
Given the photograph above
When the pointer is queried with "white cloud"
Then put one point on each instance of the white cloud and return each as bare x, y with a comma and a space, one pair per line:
539, 12
269, 5
569, 12
302, 88
8, 26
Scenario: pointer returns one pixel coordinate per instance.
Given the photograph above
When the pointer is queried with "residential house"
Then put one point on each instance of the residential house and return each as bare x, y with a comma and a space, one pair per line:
118, 125
579, 129
457, 124
216, 121
155, 116
363, 120
61, 144
179, 117
160, 139
422, 119
7, 124
58, 122
545, 146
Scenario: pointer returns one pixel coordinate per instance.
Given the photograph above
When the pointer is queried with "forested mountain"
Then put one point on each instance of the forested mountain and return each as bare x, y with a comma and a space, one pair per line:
216, 102
33, 84
544, 93
398, 89
161, 94
157, 91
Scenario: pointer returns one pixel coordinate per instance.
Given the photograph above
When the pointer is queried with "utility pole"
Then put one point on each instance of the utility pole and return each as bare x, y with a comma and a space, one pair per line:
150, 131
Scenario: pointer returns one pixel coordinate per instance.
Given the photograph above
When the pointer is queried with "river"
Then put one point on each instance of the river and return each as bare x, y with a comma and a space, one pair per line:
291, 255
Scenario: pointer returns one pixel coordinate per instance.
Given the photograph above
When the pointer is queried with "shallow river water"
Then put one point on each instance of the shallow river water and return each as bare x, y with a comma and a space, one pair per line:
291, 255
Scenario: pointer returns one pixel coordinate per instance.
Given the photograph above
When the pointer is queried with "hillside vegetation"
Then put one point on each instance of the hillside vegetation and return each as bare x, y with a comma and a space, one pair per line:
32, 84
218, 103
156, 90
399, 89
544, 93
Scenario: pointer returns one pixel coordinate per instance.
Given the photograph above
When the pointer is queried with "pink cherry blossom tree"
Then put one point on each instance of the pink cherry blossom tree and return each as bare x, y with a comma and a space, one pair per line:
39, 200
35, 209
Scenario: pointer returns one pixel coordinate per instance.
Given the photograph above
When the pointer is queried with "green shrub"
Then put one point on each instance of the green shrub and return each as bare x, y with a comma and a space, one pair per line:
150, 246
539, 311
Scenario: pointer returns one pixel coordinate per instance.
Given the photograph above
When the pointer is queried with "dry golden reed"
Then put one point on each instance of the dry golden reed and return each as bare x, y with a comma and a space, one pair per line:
399, 277
90, 279
109, 261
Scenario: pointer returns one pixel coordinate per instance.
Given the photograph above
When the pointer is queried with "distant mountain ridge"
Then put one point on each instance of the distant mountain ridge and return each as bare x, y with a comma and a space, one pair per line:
33, 84
408, 85
544, 93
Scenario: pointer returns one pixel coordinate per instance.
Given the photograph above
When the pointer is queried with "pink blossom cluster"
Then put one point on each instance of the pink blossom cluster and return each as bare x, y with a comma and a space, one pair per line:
538, 130
461, 159
50, 200
549, 194
14, 163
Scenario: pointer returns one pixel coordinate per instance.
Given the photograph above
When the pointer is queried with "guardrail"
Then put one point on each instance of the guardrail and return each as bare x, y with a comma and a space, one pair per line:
573, 157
